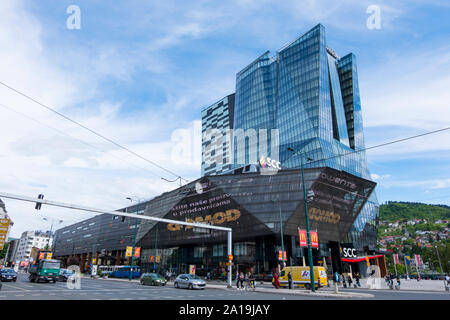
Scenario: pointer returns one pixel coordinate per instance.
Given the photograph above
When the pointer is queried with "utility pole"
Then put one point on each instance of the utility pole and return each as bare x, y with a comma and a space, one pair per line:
281, 233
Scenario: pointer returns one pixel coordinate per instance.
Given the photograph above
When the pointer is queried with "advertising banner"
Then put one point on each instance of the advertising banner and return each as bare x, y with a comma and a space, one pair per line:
396, 258
302, 237
282, 256
137, 252
41, 255
192, 269
4, 227
129, 252
314, 239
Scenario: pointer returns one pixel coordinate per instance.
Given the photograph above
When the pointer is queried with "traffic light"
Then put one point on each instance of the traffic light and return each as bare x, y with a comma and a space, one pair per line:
38, 204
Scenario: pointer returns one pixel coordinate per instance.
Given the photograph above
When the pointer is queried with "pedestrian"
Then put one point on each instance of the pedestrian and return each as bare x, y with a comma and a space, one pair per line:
447, 278
251, 279
357, 276
398, 283
349, 279
241, 280
237, 279
276, 280
343, 280
290, 280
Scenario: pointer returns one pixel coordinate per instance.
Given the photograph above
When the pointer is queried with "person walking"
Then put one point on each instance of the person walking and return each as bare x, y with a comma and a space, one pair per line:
241, 280
344, 284
276, 280
349, 279
290, 280
397, 286
251, 280
357, 277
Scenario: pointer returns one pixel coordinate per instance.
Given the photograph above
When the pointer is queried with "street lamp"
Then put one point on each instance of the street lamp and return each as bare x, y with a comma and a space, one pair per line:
51, 230
281, 232
308, 234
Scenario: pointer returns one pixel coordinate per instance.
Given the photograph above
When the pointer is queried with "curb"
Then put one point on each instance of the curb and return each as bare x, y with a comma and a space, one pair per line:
303, 292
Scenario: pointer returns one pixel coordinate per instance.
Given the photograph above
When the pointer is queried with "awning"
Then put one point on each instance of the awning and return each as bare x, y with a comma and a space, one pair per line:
361, 259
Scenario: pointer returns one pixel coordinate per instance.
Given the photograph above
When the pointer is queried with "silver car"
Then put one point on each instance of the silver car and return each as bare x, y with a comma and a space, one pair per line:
189, 281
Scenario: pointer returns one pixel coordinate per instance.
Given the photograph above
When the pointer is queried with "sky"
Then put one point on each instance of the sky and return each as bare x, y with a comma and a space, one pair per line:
140, 72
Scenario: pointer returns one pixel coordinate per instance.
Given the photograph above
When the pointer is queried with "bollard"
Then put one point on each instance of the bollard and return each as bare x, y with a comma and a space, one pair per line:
336, 290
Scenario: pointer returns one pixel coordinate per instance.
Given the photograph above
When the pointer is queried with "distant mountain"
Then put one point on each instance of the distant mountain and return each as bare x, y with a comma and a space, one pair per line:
393, 211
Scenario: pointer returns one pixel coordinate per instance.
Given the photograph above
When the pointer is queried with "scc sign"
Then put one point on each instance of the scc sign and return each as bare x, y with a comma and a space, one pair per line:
349, 252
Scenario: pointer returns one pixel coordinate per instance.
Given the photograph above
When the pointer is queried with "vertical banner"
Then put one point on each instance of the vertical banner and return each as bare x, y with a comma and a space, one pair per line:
282, 256
4, 227
137, 252
49, 255
314, 239
396, 258
302, 238
191, 269
129, 252
41, 255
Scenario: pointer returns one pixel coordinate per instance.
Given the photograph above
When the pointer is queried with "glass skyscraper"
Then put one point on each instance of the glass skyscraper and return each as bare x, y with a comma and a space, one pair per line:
311, 96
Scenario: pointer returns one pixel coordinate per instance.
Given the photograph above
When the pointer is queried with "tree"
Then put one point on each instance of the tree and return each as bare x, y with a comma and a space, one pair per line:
4, 251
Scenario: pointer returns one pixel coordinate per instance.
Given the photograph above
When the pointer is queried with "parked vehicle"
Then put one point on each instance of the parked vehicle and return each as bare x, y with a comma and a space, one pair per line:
301, 277
8, 275
189, 281
153, 279
124, 272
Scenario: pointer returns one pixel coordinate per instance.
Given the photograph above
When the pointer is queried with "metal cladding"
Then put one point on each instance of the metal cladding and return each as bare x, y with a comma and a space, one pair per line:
250, 204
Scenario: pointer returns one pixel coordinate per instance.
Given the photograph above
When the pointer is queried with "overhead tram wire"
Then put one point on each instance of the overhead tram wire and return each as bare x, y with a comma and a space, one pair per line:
77, 139
92, 131
380, 145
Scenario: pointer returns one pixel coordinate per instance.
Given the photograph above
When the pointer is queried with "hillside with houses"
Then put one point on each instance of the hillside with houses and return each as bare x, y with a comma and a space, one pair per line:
415, 228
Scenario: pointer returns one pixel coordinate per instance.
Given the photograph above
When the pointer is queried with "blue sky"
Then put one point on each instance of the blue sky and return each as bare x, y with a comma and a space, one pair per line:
140, 72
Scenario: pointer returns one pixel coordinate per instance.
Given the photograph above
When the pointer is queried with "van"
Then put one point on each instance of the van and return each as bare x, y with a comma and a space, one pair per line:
301, 278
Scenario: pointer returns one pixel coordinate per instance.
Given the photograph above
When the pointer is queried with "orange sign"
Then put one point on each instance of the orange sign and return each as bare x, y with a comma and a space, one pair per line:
41, 255
152, 258
302, 237
314, 239
230, 257
137, 252
280, 257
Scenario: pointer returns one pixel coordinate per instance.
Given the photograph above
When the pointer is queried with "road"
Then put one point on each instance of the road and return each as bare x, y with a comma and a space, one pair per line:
102, 289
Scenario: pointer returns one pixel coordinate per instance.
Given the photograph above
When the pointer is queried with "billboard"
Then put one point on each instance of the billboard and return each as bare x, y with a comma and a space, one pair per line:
302, 238
4, 228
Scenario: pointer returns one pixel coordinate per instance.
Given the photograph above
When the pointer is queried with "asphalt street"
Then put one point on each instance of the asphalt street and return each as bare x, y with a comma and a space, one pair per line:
103, 289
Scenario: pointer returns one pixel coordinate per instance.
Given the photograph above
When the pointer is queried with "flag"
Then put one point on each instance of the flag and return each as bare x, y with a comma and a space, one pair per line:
407, 259
418, 260
396, 258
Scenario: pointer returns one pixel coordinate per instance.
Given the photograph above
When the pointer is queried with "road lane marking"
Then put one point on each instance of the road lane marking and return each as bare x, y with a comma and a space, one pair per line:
10, 285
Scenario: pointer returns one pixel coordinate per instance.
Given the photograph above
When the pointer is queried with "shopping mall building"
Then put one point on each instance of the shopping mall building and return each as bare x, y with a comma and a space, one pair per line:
302, 106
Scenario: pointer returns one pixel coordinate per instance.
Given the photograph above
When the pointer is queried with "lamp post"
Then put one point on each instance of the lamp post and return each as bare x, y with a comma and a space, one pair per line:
134, 241
281, 232
308, 234
51, 230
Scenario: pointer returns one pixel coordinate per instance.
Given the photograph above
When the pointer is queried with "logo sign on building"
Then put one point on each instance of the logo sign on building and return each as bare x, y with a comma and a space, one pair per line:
302, 237
282, 256
349, 252
129, 252
314, 239
192, 269
137, 252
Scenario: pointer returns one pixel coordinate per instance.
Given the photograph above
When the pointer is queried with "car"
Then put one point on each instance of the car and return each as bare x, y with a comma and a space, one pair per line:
8, 275
153, 279
189, 281
64, 274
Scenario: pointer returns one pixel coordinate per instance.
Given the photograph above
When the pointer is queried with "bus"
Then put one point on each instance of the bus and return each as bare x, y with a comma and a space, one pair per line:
122, 271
